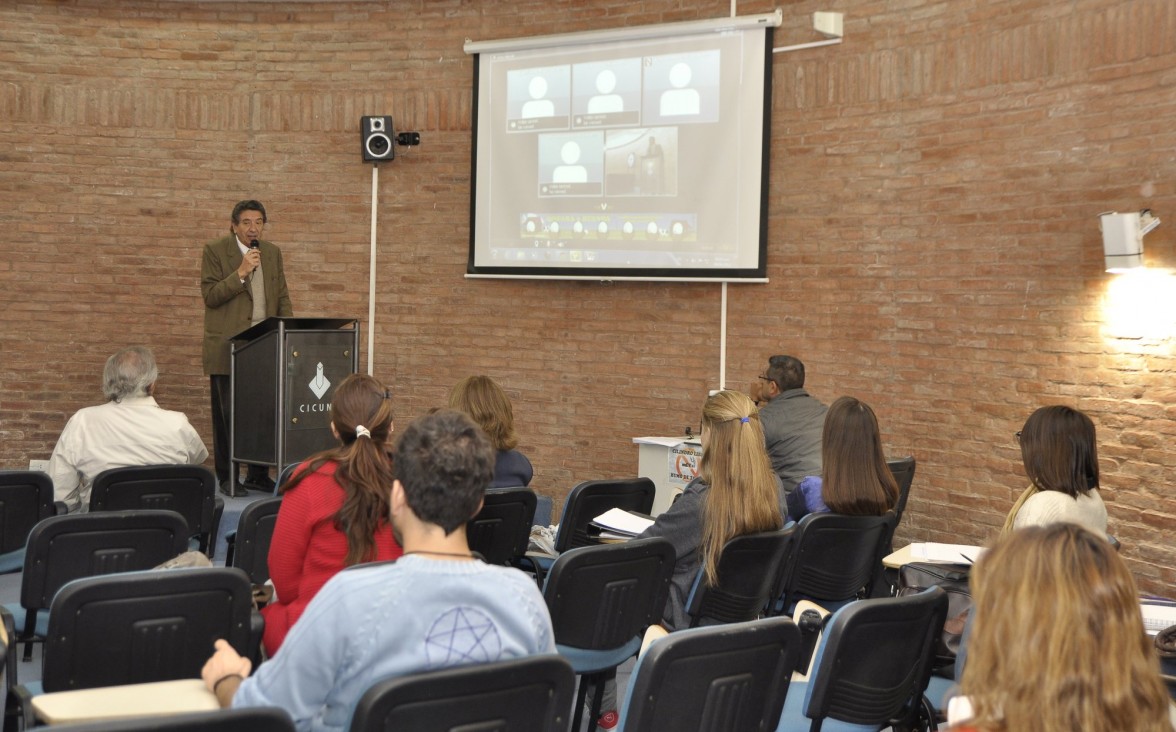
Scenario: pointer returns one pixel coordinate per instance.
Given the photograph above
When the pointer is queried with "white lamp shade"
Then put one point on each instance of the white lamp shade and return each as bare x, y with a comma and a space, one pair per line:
1122, 241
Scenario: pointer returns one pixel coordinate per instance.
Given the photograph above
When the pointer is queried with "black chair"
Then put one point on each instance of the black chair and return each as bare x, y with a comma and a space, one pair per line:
834, 559
250, 719
248, 546
872, 666
531, 694
283, 477
138, 627
587, 501
749, 569
502, 528
189, 490
592, 498
601, 600
904, 472
64, 548
26, 497
729, 677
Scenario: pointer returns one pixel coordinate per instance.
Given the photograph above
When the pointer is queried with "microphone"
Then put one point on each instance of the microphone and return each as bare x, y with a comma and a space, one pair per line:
252, 243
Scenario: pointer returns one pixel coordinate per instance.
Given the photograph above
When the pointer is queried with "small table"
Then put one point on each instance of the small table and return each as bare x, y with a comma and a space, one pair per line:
156, 699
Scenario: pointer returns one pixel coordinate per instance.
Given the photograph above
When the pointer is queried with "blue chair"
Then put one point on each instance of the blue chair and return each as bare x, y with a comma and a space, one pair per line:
137, 627
26, 498
601, 599
189, 490
529, 694
835, 559
64, 548
714, 679
248, 546
587, 501
871, 667
748, 571
501, 530
254, 719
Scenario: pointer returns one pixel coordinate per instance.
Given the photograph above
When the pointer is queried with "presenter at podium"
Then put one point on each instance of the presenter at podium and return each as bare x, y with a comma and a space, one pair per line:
243, 283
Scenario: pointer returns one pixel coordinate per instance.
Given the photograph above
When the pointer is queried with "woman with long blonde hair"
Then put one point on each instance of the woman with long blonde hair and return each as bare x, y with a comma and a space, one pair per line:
335, 507
735, 493
1057, 640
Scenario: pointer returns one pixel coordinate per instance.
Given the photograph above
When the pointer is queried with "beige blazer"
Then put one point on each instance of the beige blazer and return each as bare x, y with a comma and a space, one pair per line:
228, 304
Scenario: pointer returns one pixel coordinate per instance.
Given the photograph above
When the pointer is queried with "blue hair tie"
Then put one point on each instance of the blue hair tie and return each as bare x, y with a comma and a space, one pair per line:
745, 420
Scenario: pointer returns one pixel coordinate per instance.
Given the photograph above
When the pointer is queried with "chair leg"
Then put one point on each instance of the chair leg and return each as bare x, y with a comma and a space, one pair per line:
581, 694
598, 697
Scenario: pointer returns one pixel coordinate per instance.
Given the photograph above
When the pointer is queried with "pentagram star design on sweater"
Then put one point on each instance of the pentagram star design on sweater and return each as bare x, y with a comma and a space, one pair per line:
462, 635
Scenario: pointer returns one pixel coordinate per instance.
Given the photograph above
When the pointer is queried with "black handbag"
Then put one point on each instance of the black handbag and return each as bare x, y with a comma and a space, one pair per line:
953, 578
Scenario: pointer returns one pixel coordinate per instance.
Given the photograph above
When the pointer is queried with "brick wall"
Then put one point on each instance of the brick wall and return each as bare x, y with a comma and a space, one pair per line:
934, 249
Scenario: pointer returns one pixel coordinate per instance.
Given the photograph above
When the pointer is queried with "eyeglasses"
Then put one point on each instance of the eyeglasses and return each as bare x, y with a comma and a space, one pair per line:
761, 377
1018, 435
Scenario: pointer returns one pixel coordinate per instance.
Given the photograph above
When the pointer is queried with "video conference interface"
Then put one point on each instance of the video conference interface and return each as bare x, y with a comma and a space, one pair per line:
643, 155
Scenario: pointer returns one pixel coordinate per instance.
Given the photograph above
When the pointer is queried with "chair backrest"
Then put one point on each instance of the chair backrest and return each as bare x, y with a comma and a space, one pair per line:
749, 570
519, 695
502, 528
602, 597
189, 490
26, 497
716, 679
904, 472
255, 529
284, 476
62, 549
592, 498
834, 558
145, 626
874, 660
248, 719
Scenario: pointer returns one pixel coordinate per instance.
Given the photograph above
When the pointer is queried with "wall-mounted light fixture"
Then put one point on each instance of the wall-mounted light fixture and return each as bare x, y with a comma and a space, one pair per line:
1123, 238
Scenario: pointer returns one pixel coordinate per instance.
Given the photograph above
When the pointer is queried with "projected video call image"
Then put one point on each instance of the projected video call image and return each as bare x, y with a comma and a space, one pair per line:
539, 99
682, 88
559, 230
571, 164
632, 155
641, 162
606, 93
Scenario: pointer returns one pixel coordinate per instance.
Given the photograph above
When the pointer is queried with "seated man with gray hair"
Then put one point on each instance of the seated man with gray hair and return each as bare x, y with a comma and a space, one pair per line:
129, 429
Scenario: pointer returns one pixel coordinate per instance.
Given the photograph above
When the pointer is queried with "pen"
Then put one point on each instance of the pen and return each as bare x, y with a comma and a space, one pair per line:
965, 556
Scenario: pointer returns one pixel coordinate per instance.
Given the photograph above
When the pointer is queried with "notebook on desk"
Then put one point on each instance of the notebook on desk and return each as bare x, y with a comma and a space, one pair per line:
1157, 615
619, 524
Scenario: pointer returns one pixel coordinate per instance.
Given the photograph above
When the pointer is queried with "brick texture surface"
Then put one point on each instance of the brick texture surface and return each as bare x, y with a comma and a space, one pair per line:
933, 242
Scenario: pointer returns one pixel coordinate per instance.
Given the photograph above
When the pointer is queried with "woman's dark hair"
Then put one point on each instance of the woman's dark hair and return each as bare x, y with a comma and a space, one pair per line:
1059, 451
364, 469
855, 477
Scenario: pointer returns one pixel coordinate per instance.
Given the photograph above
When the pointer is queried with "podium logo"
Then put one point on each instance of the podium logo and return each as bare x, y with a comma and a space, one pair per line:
319, 384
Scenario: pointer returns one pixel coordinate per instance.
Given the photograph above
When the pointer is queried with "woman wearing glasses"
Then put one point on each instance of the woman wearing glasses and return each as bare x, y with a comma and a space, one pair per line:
1061, 461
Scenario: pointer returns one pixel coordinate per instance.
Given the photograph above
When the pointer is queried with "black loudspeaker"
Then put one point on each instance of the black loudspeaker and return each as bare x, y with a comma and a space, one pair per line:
378, 140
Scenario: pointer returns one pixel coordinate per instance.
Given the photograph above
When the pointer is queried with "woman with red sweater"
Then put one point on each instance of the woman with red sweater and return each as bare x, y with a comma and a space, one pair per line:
335, 506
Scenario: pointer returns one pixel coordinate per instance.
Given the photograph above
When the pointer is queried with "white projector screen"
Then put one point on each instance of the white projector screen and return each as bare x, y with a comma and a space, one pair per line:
623, 159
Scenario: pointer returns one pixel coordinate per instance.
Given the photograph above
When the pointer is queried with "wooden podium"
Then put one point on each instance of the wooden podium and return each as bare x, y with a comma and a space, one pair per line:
283, 374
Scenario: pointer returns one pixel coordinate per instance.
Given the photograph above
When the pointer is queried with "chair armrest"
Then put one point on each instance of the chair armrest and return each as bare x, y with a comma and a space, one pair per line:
218, 510
20, 702
9, 658
256, 632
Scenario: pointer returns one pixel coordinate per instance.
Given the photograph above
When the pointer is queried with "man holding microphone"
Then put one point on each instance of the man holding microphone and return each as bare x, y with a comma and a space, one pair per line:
243, 283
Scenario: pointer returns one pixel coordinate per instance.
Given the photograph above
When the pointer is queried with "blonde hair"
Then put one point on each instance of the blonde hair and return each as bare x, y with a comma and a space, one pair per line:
1057, 641
856, 480
488, 405
743, 497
